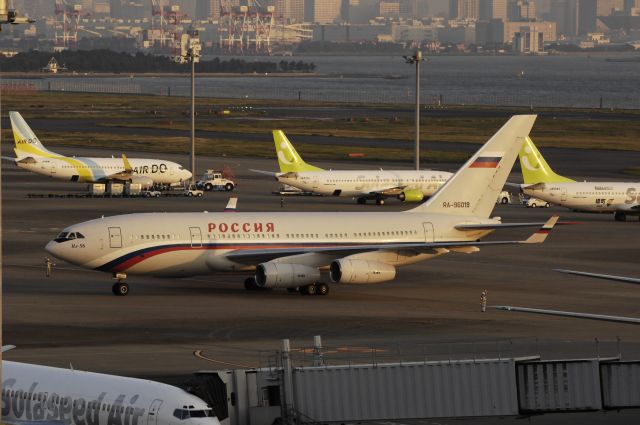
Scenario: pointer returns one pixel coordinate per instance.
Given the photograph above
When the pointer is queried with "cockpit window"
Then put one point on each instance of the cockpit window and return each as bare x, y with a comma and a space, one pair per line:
67, 236
183, 414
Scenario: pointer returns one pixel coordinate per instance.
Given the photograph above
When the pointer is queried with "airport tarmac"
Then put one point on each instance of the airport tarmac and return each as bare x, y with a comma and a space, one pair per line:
431, 310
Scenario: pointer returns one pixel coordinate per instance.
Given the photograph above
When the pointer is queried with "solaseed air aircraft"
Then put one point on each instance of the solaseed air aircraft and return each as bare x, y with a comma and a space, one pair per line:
33, 156
289, 249
43, 395
540, 181
406, 185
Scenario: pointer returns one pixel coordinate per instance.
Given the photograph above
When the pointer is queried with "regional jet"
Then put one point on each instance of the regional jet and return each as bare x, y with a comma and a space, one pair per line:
406, 185
540, 181
31, 155
43, 395
290, 249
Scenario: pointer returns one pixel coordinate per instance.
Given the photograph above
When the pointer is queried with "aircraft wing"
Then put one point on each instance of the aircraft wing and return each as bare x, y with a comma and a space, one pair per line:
9, 158
6, 348
122, 175
251, 256
628, 208
600, 276
267, 173
232, 205
490, 226
620, 319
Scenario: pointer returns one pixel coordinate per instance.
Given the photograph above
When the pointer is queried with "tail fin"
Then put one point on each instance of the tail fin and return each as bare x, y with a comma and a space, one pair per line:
473, 190
27, 143
534, 168
288, 158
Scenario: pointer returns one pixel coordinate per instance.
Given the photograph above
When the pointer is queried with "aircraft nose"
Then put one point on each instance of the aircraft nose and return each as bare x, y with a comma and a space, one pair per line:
187, 175
53, 248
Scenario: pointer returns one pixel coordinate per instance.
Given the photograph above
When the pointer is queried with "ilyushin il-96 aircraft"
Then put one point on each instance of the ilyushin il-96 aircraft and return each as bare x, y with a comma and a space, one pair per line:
290, 249
42, 395
31, 155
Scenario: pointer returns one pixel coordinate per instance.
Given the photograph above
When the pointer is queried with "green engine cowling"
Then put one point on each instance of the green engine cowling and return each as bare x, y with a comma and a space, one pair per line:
412, 195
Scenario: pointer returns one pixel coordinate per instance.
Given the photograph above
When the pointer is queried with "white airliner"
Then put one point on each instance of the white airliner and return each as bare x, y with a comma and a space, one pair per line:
406, 185
33, 156
35, 394
289, 249
620, 198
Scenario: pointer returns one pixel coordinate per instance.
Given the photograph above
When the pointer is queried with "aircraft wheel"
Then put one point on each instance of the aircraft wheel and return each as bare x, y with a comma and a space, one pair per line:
147, 195
547, 205
362, 201
505, 200
619, 216
322, 288
120, 289
199, 195
534, 205
228, 187
189, 194
208, 187
250, 284
308, 290
157, 195
379, 201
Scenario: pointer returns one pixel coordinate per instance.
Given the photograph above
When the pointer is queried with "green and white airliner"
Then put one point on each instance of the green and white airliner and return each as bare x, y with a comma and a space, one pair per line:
406, 185
540, 181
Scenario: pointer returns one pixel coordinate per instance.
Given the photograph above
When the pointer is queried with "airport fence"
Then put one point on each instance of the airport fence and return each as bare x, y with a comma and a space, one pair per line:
253, 88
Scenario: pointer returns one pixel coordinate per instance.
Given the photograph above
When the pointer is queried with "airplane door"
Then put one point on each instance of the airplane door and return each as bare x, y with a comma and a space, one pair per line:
428, 232
196, 237
115, 237
152, 417
563, 195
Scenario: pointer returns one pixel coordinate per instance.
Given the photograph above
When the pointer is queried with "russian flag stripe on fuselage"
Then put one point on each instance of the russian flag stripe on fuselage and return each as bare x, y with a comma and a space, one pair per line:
486, 162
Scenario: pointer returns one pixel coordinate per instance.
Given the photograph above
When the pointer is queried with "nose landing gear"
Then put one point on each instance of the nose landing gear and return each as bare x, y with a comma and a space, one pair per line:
120, 288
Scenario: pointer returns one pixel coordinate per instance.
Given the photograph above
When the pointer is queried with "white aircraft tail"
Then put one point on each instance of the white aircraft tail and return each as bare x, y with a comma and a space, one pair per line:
27, 143
473, 190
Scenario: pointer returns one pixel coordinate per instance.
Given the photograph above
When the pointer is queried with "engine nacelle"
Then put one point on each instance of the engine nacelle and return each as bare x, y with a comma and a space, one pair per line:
145, 181
353, 272
412, 195
283, 275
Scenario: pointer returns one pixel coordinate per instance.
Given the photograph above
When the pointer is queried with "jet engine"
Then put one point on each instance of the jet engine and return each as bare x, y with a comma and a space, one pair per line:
282, 275
411, 195
348, 271
145, 181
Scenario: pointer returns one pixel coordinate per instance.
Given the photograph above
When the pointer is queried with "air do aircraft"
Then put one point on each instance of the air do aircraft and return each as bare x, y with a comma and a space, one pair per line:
31, 155
540, 181
290, 249
406, 185
43, 395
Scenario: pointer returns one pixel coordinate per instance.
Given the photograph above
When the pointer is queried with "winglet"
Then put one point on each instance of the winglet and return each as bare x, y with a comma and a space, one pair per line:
231, 205
541, 234
6, 348
127, 165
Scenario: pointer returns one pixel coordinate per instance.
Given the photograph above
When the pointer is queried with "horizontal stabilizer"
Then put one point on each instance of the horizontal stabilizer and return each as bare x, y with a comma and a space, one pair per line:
266, 173
231, 205
601, 276
6, 348
541, 235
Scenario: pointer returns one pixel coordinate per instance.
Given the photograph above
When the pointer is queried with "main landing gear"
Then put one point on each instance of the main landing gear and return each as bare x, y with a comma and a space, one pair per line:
120, 288
620, 216
314, 289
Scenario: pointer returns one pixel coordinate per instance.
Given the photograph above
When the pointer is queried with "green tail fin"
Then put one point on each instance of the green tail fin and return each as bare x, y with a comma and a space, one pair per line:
534, 168
288, 158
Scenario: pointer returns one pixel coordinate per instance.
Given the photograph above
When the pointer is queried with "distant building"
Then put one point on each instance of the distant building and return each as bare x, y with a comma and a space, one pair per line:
464, 9
492, 9
528, 40
322, 11
522, 10
574, 17
610, 7
546, 28
291, 11
413, 33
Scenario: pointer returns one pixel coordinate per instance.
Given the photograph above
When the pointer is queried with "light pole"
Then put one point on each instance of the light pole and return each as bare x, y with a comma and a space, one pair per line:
190, 52
416, 58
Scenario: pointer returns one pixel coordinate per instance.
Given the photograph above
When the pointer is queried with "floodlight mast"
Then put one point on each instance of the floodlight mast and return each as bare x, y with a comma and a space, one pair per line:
416, 59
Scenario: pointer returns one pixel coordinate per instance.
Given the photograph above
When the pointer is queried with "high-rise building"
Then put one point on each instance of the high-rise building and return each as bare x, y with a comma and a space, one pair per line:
574, 17
464, 9
290, 10
586, 16
609, 7
35, 8
522, 10
492, 9
322, 11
